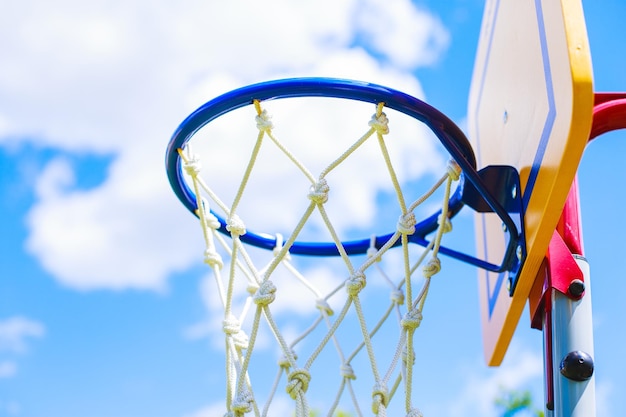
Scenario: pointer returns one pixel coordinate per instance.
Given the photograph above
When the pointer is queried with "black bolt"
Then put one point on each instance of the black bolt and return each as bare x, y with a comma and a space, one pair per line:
577, 366
576, 288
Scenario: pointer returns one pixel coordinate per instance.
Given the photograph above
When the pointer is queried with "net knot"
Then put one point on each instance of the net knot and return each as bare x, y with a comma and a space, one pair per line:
380, 123
414, 412
284, 362
231, 325
447, 224
319, 192
265, 294
298, 383
356, 283
211, 221
243, 403
432, 267
347, 372
322, 305
412, 319
235, 226
380, 395
240, 340
397, 296
406, 224
264, 122
193, 166
213, 259
454, 170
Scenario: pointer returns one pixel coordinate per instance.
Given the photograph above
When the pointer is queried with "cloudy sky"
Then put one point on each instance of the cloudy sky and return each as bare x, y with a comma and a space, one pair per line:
104, 301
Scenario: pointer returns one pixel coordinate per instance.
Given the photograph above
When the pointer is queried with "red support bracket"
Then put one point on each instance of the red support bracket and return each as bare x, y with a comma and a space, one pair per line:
561, 273
560, 270
609, 113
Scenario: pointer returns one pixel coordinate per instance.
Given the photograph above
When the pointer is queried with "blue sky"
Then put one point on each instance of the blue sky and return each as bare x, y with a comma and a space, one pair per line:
104, 304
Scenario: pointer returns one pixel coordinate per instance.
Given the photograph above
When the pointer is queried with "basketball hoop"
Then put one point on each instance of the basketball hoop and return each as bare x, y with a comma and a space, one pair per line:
231, 262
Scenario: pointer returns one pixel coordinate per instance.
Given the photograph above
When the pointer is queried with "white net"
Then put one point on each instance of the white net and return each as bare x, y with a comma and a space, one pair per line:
353, 358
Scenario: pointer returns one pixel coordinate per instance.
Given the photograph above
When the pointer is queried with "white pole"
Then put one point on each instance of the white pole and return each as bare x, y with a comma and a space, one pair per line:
572, 351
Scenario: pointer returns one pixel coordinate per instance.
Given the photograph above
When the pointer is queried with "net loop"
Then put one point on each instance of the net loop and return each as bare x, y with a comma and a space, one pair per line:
432, 267
380, 395
264, 122
397, 296
232, 327
406, 223
211, 221
356, 283
324, 307
243, 403
412, 319
213, 259
319, 192
454, 170
347, 372
266, 293
298, 383
380, 123
192, 166
235, 226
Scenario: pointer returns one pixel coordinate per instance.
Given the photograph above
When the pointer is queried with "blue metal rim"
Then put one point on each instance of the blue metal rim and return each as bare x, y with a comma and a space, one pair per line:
451, 137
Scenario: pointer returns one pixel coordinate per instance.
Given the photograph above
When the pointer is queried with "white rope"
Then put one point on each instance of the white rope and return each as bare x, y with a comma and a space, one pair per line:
294, 373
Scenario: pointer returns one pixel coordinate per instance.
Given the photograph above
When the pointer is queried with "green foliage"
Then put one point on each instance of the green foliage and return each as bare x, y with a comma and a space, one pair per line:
512, 402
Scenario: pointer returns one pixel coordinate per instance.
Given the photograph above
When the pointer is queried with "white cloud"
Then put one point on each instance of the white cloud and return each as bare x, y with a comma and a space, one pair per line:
117, 78
15, 331
407, 36
111, 237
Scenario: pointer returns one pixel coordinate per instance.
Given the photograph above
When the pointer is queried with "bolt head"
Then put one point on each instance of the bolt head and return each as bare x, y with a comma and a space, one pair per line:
577, 366
576, 288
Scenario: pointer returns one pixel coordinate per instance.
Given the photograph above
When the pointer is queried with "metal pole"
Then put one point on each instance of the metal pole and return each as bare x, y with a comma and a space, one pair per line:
561, 306
572, 351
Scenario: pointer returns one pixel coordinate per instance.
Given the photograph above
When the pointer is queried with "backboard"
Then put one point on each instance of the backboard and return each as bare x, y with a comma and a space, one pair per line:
530, 107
